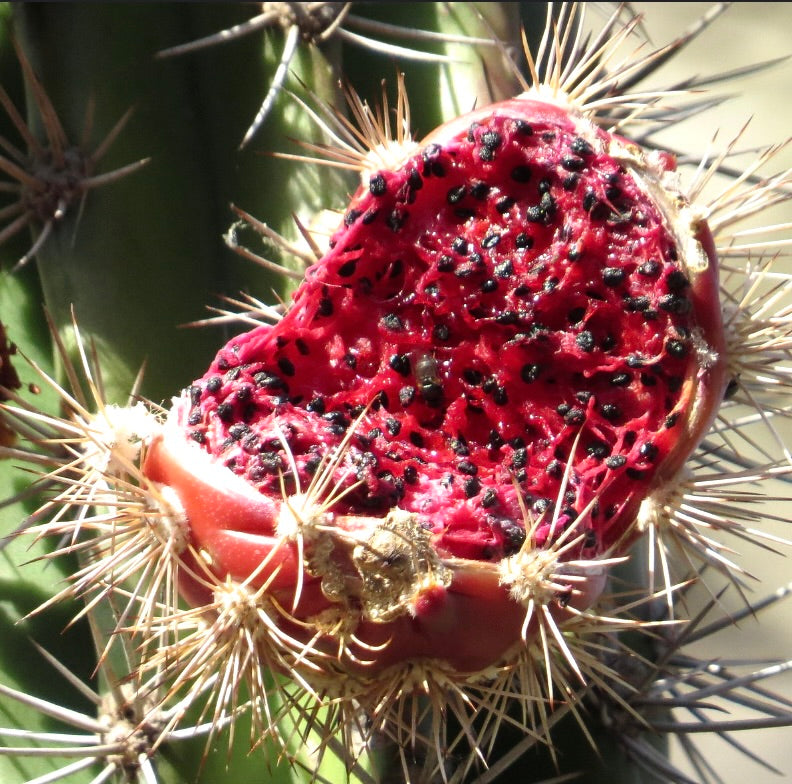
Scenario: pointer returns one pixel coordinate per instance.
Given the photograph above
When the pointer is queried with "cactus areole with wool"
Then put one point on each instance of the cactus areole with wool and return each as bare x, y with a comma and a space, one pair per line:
513, 339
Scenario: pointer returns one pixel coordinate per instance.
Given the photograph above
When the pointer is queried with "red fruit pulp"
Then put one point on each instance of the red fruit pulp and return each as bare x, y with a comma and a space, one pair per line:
527, 293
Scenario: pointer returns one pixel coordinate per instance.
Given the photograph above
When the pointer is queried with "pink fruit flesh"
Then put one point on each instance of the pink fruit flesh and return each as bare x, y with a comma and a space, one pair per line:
512, 299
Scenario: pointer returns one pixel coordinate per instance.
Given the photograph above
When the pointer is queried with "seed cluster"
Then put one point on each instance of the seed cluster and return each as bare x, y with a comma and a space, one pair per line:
505, 303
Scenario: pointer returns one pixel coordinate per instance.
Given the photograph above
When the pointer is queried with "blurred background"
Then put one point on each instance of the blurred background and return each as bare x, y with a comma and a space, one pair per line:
746, 33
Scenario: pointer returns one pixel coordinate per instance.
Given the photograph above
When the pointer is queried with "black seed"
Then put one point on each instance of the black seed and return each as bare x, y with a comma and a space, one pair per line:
650, 269
459, 445
351, 217
570, 181
432, 289
302, 347
541, 505
195, 393
610, 411
522, 291
479, 190
467, 468
336, 418
620, 379
225, 412
441, 332
460, 246
613, 276
639, 304
676, 348
607, 343
731, 388
584, 395
406, 396
471, 486
392, 322
523, 241
572, 163
268, 380
563, 408
369, 216
674, 303
676, 281
504, 204
554, 469
501, 397
347, 269
416, 439
489, 285
244, 393
590, 201
317, 405
473, 377
576, 315
576, 416
396, 219
431, 152
400, 363
598, 450
585, 340
233, 374
198, 436
393, 426
489, 498
194, 418
629, 437
530, 373
491, 139
648, 380
504, 270
325, 306
213, 384
455, 194
615, 461
223, 363
648, 451
445, 263
491, 240
535, 214
671, 420
523, 127
490, 385
580, 146
410, 474
634, 473
350, 360
286, 366
237, 431
487, 154
521, 173
507, 317
574, 253
635, 360
377, 185
495, 439
519, 458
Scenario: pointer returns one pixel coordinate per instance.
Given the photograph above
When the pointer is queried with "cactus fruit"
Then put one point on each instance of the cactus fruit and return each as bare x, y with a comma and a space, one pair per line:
514, 336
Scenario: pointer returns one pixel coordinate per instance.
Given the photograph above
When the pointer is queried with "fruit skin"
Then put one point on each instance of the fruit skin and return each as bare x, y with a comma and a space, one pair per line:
416, 295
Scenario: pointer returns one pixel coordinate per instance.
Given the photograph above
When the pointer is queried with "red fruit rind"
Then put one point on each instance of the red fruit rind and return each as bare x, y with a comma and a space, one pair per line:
513, 340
